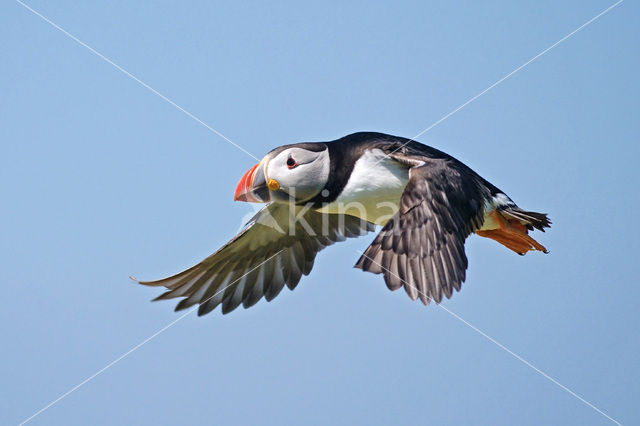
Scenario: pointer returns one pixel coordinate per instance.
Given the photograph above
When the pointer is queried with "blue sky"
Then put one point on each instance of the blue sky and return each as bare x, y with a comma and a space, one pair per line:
101, 179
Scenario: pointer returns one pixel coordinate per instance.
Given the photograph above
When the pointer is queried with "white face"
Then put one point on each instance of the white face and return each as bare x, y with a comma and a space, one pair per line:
300, 173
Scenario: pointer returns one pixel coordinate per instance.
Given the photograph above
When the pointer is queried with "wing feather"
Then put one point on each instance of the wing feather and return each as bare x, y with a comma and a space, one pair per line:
270, 252
421, 248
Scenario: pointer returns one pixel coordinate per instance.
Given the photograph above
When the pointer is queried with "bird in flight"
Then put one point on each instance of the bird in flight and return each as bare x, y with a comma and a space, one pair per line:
319, 193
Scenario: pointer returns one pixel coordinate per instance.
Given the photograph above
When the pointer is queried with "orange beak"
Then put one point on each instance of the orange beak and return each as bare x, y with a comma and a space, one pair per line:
252, 187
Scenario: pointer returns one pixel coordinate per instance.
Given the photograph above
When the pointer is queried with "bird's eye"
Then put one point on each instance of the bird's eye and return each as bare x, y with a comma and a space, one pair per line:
291, 163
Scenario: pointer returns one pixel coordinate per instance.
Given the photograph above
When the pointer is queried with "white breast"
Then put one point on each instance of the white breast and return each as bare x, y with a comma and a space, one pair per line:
373, 190
498, 200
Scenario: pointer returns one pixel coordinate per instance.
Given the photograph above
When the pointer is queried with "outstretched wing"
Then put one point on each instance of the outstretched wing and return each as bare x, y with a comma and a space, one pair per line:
422, 246
276, 247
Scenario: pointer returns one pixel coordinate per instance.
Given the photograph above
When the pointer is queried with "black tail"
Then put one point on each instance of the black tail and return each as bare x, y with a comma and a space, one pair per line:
531, 219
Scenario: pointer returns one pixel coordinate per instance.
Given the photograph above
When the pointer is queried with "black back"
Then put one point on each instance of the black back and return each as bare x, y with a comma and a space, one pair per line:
344, 153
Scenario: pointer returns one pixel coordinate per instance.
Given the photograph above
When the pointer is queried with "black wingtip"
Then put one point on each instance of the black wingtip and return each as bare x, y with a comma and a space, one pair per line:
182, 305
162, 296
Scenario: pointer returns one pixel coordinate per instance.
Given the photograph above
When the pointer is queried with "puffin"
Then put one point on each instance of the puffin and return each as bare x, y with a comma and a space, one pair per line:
318, 193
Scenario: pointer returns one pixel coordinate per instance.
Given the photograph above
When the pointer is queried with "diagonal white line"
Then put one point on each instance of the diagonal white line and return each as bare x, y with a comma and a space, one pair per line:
106, 367
510, 74
527, 363
136, 347
500, 345
106, 59
128, 74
